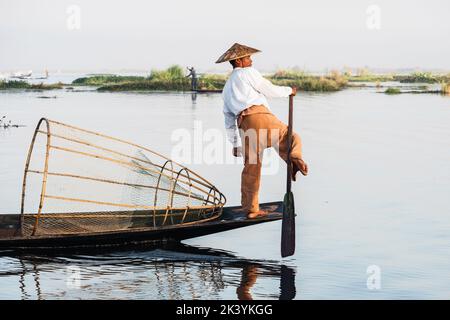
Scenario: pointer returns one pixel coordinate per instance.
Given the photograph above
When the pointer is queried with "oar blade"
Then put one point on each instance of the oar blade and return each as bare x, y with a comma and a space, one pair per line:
288, 226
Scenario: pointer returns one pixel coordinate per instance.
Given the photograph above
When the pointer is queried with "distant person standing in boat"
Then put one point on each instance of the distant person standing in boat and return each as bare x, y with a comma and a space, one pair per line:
246, 109
193, 74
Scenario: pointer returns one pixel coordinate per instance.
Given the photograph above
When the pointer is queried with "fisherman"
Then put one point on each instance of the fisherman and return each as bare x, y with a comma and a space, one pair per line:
246, 109
193, 74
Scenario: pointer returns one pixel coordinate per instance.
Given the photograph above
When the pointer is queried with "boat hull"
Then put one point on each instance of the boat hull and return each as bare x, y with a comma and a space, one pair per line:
231, 218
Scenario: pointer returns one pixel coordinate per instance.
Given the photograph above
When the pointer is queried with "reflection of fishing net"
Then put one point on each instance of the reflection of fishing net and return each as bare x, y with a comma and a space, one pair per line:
79, 181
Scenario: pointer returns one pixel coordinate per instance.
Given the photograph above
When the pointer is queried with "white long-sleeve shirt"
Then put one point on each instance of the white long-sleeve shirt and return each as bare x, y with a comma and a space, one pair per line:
246, 87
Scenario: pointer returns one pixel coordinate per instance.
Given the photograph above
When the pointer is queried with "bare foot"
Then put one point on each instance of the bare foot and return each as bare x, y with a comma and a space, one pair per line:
302, 167
258, 214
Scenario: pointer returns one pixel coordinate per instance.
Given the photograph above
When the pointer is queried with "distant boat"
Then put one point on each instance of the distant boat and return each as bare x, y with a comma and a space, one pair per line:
45, 75
22, 75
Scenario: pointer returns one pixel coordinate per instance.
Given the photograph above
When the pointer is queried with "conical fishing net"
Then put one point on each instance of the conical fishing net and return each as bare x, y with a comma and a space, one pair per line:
79, 181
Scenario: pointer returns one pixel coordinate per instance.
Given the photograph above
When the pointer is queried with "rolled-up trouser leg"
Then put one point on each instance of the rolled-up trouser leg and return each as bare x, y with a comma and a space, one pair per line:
250, 181
296, 150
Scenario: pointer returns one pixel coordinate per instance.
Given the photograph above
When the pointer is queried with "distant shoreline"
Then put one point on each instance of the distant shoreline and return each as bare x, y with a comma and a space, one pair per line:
174, 79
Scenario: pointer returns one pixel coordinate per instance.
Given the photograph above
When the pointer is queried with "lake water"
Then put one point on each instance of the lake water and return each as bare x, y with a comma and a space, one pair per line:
373, 215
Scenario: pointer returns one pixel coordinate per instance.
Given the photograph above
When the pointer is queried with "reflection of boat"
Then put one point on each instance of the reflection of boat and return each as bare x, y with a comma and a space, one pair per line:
100, 191
172, 271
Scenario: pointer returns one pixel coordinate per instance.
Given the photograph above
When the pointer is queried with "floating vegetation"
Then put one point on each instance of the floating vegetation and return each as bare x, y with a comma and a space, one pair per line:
445, 88
334, 81
20, 84
173, 79
398, 91
100, 80
371, 78
311, 84
44, 86
293, 74
392, 91
212, 82
14, 84
417, 77
173, 73
149, 85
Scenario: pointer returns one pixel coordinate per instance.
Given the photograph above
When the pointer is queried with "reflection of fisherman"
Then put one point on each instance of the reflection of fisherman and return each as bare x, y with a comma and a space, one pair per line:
193, 74
248, 279
250, 273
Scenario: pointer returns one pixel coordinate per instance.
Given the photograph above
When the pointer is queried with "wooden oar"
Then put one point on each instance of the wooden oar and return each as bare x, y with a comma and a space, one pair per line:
288, 224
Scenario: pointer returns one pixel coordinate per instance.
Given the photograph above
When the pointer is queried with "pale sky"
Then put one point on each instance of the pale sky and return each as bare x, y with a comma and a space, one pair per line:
141, 35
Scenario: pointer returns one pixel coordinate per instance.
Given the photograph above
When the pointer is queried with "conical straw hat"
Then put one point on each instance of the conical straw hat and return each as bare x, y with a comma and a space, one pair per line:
237, 51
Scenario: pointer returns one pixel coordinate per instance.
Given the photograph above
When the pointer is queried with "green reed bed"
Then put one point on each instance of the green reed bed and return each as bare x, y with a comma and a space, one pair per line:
19, 84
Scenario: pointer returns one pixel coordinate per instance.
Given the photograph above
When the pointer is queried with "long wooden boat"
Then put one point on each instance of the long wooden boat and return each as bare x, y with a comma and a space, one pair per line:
82, 188
11, 237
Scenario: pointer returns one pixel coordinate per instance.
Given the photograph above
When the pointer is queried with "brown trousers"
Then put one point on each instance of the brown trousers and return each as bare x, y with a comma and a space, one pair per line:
260, 129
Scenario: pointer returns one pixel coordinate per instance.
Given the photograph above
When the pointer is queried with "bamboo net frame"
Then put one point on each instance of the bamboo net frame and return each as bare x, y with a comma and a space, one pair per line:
90, 182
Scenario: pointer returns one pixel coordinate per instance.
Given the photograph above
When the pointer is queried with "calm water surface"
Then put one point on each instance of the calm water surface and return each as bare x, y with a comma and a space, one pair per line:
377, 195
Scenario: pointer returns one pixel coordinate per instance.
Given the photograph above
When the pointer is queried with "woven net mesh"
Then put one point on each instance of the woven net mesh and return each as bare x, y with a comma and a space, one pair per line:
79, 181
